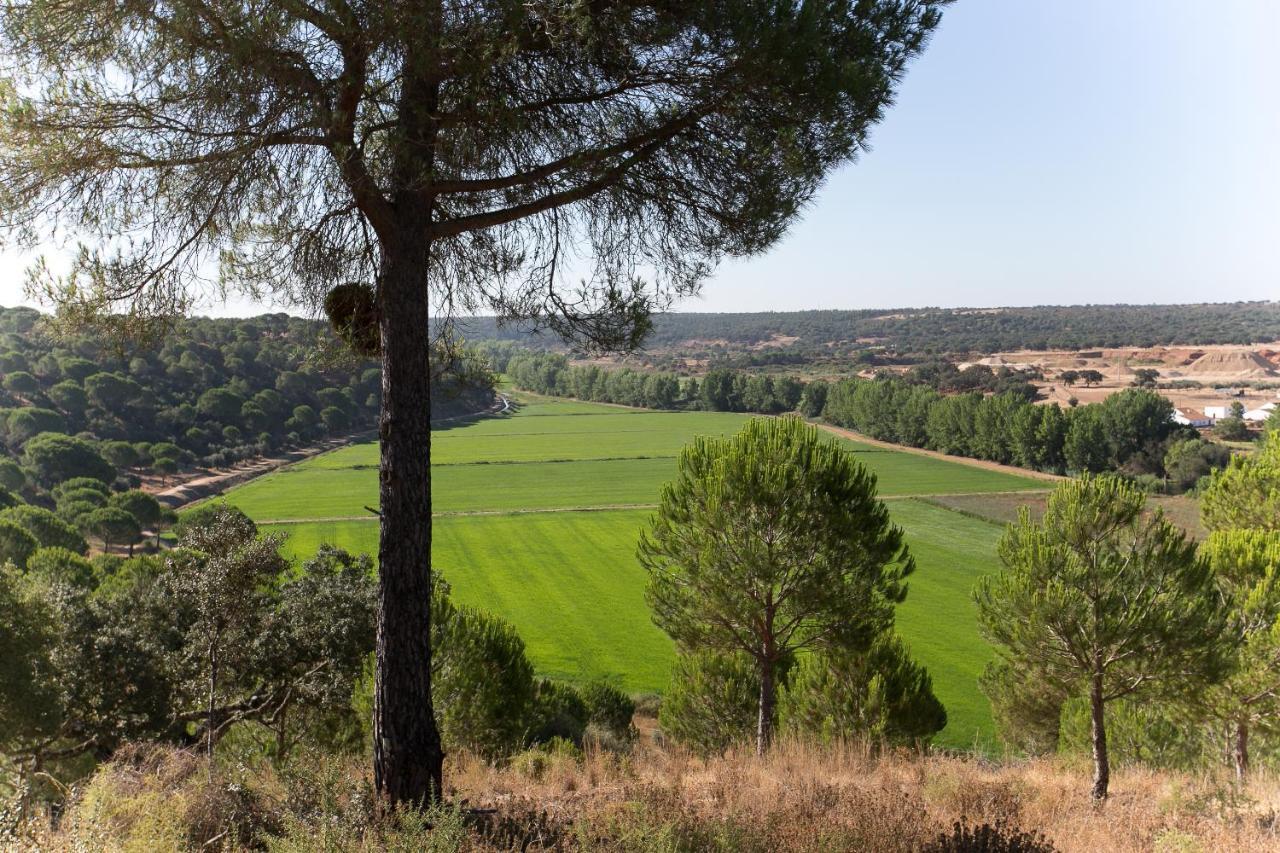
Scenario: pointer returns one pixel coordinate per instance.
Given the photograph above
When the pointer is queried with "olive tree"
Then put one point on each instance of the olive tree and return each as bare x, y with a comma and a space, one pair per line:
1105, 599
572, 165
770, 542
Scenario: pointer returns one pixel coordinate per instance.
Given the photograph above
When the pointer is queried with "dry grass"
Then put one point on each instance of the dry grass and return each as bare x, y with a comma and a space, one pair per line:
804, 797
800, 798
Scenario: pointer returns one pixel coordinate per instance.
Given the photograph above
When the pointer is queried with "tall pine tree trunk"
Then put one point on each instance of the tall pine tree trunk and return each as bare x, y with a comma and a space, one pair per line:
408, 758
1101, 763
1240, 750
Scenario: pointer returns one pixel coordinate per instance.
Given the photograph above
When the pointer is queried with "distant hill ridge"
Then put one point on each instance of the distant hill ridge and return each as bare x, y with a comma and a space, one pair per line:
939, 330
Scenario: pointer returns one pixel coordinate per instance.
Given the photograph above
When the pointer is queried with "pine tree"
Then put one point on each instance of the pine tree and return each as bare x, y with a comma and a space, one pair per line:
1242, 508
1104, 599
770, 542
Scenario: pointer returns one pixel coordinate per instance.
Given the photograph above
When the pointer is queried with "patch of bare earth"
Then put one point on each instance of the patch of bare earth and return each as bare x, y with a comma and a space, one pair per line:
1003, 508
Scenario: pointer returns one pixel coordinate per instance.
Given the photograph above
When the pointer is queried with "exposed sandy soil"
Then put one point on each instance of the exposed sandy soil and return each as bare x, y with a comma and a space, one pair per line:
1226, 366
1001, 509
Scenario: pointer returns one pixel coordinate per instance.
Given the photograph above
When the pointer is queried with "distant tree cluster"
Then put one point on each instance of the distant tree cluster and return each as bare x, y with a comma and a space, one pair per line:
1131, 432
551, 373
979, 412
215, 393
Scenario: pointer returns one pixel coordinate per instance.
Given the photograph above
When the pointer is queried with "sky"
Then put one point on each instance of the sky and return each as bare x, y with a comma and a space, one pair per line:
1040, 152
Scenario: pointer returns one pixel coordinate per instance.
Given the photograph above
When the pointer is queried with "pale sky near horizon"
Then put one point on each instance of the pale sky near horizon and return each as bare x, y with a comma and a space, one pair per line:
1041, 152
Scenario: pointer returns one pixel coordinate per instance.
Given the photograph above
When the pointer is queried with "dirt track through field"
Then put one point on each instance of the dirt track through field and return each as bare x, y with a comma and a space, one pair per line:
959, 460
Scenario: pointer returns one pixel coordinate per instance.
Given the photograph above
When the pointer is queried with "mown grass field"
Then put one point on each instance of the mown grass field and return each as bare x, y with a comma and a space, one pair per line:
538, 515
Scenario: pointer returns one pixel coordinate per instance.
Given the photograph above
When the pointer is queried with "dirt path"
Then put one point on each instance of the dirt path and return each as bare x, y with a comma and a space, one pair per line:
210, 485
959, 460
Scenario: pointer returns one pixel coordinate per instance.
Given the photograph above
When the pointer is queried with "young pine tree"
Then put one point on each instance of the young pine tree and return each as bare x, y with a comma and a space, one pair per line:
769, 542
1105, 599
1241, 507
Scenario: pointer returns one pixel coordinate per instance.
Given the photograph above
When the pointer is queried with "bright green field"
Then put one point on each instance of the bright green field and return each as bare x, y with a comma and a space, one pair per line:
619, 459
568, 580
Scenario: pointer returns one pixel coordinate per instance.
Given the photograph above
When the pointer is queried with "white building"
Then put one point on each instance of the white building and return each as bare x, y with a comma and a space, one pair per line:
1190, 418
1215, 412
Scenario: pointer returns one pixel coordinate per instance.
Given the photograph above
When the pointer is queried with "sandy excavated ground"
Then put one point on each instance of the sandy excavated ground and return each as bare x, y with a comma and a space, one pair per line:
1215, 367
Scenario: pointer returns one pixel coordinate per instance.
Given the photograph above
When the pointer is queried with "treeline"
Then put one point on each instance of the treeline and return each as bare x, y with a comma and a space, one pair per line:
938, 330
214, 393
1130, 432
978, 412
719, 391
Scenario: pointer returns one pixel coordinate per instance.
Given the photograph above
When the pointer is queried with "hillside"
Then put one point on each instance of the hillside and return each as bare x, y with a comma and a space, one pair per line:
943, 330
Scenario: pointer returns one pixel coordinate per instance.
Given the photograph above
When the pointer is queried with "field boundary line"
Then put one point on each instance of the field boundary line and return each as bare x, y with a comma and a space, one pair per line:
458, 513
1012, 470
482, 462
462, 513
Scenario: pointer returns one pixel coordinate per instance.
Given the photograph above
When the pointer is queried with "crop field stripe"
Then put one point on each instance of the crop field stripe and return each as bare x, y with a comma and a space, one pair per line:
574, 590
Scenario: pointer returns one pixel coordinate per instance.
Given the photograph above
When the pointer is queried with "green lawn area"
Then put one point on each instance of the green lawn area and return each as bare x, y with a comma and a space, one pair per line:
570, 584
569, 581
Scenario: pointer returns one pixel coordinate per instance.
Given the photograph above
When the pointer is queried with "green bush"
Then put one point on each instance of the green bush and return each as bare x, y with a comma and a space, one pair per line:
609, 710
558, 712
711, 703
880, 694
483, 684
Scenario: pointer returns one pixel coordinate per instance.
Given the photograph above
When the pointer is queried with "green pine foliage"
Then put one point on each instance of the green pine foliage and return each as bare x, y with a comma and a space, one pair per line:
1102, 599
768, 543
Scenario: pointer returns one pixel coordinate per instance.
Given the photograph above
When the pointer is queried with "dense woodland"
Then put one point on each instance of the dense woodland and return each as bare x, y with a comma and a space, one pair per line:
214, 393
943, 330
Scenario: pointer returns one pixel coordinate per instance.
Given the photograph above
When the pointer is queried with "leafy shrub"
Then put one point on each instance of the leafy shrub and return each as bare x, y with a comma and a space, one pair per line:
483, 685
880, 694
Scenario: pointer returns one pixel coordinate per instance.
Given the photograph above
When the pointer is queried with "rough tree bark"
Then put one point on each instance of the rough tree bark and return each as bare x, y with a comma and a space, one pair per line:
408, 756
407, 752
1101, 763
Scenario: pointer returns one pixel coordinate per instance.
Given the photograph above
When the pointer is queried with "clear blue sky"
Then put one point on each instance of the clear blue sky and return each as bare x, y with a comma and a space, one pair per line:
1043, 152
